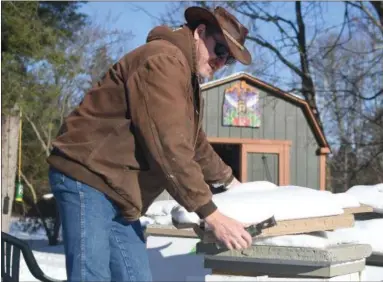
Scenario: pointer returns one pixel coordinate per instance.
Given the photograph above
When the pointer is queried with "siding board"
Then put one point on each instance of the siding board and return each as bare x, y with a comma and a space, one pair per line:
302, 148
291, 134
212, 113
280, 120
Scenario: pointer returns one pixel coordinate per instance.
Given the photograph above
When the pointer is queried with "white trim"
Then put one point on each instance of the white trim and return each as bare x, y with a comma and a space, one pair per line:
238, 74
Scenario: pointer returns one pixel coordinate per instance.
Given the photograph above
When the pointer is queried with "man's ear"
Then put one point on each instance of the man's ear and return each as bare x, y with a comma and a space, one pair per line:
199, 32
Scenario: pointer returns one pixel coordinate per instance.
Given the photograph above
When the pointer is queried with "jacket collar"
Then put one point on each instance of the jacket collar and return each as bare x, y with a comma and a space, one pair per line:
181, 37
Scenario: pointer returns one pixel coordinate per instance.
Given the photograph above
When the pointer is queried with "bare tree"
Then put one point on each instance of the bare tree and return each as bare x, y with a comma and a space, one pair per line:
347, 87
336, 67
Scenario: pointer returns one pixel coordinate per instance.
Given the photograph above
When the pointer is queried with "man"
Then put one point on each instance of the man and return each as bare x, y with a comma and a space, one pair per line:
137, 133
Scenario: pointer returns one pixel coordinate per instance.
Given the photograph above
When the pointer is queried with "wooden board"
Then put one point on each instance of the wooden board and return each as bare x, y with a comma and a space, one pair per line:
285, 227
361, 209
169, 231
299, 226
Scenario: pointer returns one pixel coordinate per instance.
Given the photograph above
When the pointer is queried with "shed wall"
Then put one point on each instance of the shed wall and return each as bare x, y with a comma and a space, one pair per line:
281, 120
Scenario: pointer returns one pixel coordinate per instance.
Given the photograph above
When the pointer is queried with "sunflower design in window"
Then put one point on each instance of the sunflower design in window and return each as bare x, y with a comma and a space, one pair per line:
241, 106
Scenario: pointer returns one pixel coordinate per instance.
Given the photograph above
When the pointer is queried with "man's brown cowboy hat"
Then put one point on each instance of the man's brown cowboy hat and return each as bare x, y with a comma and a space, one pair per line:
233, 31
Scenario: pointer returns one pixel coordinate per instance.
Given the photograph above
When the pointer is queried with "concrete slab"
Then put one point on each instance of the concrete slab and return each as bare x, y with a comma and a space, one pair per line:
245, 267
291, 255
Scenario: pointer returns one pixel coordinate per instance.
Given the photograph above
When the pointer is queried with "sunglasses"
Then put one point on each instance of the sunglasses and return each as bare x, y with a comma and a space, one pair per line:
223, 52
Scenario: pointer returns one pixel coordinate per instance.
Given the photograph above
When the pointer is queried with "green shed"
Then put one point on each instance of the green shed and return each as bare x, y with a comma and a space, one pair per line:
264, 133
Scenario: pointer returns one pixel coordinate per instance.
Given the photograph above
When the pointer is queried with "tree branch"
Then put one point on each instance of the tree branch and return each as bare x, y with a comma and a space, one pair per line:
46, 149
269, 18
363, 8
276, 52
335, 44
30, 186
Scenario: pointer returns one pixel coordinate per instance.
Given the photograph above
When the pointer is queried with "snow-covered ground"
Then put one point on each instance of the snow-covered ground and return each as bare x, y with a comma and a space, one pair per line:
170, 260
173, 259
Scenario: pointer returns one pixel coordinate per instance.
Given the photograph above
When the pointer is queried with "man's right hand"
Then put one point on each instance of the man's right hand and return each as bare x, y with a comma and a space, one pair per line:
230, 232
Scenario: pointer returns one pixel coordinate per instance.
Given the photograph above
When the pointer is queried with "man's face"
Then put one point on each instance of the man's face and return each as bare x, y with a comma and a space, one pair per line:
212, 51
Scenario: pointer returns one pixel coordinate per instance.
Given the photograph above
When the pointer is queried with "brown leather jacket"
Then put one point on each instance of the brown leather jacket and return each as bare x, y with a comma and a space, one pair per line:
138, 131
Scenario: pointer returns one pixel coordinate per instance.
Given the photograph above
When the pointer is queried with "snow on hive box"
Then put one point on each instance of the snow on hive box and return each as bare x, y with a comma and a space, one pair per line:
371, 195
252, 204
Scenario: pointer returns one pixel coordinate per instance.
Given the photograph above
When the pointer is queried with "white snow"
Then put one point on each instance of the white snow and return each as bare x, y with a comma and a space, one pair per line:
255, 203
371, 195
253, 186
344, 200
159, 208
364, 232
228, 278
48, 196
172, 259
370, 274
51, 263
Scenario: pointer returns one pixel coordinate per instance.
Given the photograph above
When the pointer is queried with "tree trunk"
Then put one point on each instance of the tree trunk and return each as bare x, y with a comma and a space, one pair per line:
308, 88
378, 6
9, 145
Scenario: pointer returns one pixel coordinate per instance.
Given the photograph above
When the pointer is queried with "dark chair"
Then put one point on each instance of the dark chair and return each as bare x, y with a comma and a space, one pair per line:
10, 262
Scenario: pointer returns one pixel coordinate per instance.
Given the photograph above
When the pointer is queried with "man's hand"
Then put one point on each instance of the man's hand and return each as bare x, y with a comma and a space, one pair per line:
230, 232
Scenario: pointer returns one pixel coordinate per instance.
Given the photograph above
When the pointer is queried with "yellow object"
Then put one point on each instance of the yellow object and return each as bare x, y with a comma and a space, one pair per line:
19, 186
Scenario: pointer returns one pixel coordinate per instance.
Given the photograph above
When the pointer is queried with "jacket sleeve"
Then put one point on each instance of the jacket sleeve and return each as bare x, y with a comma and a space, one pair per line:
214, 169
158, 104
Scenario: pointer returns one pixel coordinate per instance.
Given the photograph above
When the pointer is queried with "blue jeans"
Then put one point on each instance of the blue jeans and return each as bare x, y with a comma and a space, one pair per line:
99, 244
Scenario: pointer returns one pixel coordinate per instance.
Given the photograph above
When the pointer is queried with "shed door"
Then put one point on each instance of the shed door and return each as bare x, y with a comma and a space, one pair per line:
268, 160
263, 166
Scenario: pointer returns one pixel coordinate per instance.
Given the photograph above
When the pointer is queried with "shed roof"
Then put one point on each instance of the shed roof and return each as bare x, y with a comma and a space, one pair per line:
293, 98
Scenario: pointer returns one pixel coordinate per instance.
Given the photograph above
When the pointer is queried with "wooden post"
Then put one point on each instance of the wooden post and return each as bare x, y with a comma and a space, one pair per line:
9, 146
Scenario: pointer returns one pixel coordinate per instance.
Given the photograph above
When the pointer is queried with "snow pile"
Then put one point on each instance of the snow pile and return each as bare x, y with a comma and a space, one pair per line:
363, 232
48, 196
171, 259
254, 202
253, 186
159, 219
161, 208
344, 200
31, 228
371, 195
159, 212
52, 264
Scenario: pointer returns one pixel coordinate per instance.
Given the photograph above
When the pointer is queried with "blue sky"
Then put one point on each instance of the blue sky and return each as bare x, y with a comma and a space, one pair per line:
125, 16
